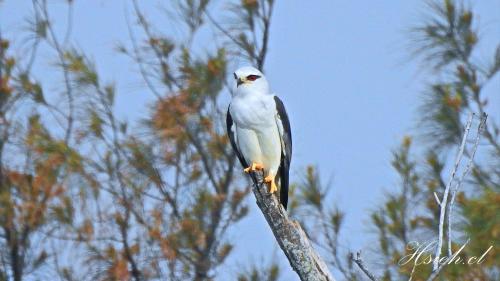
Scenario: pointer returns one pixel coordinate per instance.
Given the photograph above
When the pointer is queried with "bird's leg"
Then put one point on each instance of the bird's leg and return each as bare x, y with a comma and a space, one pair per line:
253, 167
272, 184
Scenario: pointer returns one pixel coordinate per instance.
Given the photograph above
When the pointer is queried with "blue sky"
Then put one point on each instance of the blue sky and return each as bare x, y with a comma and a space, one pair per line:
344, 71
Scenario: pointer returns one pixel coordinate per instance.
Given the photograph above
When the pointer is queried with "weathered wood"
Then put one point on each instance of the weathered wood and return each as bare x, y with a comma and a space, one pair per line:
291, 237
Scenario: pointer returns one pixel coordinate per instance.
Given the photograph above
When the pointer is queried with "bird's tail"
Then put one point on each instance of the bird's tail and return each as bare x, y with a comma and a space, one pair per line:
284, 183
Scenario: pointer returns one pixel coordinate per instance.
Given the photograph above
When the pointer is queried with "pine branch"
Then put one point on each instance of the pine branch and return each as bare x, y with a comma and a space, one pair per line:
291, 237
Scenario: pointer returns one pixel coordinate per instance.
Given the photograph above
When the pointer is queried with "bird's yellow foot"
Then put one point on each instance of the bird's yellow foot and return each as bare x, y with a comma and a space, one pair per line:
253, 168
272, 185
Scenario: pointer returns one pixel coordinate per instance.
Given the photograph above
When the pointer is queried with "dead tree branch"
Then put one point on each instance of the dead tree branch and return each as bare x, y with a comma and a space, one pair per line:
445, 204
291, 238
447, 200
444, 200
454, 191
362, 266
446, 207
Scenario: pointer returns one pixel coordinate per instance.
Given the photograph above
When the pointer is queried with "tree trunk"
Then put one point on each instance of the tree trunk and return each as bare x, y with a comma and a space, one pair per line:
291, 237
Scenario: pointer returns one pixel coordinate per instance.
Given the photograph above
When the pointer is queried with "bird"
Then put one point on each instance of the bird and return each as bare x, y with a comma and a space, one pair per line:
259, 130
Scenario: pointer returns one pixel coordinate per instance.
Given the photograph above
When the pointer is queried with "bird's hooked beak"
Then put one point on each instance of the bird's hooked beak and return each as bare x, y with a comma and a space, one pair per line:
240, 81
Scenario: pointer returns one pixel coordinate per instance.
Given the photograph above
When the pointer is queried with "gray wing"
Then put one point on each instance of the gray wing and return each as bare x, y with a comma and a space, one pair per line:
285, 131
233, 139
231, 132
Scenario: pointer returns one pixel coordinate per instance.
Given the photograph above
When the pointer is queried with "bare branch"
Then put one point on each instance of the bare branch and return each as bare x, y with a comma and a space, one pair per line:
362, 266
449, 209
53, 41
445, 206
435, 273
291, 237
266, 20
223, 30
437, 198
444, 201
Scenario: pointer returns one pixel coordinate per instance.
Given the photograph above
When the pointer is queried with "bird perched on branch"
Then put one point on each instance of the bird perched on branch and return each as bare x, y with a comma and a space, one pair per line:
259, 130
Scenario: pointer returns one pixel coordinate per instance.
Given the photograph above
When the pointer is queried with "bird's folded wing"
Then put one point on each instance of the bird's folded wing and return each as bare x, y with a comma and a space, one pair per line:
286, 149
231, 131
283, 124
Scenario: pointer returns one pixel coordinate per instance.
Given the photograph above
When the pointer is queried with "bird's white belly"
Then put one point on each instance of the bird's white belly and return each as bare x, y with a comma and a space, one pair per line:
262, 147
248, 143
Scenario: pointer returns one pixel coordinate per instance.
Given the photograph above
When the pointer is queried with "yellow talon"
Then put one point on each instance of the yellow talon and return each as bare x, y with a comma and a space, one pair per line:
272, 185
253, 167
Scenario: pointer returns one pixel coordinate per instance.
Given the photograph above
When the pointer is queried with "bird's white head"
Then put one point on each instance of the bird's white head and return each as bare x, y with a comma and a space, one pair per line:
250, 81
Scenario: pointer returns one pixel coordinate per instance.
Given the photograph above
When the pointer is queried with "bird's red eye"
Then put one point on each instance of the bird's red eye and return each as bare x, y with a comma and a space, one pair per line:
253, 77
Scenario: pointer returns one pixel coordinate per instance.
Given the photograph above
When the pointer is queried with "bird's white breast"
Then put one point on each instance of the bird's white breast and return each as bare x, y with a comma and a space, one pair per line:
254, 112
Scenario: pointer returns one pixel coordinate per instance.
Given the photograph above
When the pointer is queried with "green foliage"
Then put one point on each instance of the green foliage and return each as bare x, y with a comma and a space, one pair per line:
446, 41
312, 192
33, 196
78, 65
192, 12
33, 89
142, 201
322, 220
204, 78
155, 200
483, 224
95, 125
448, 35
